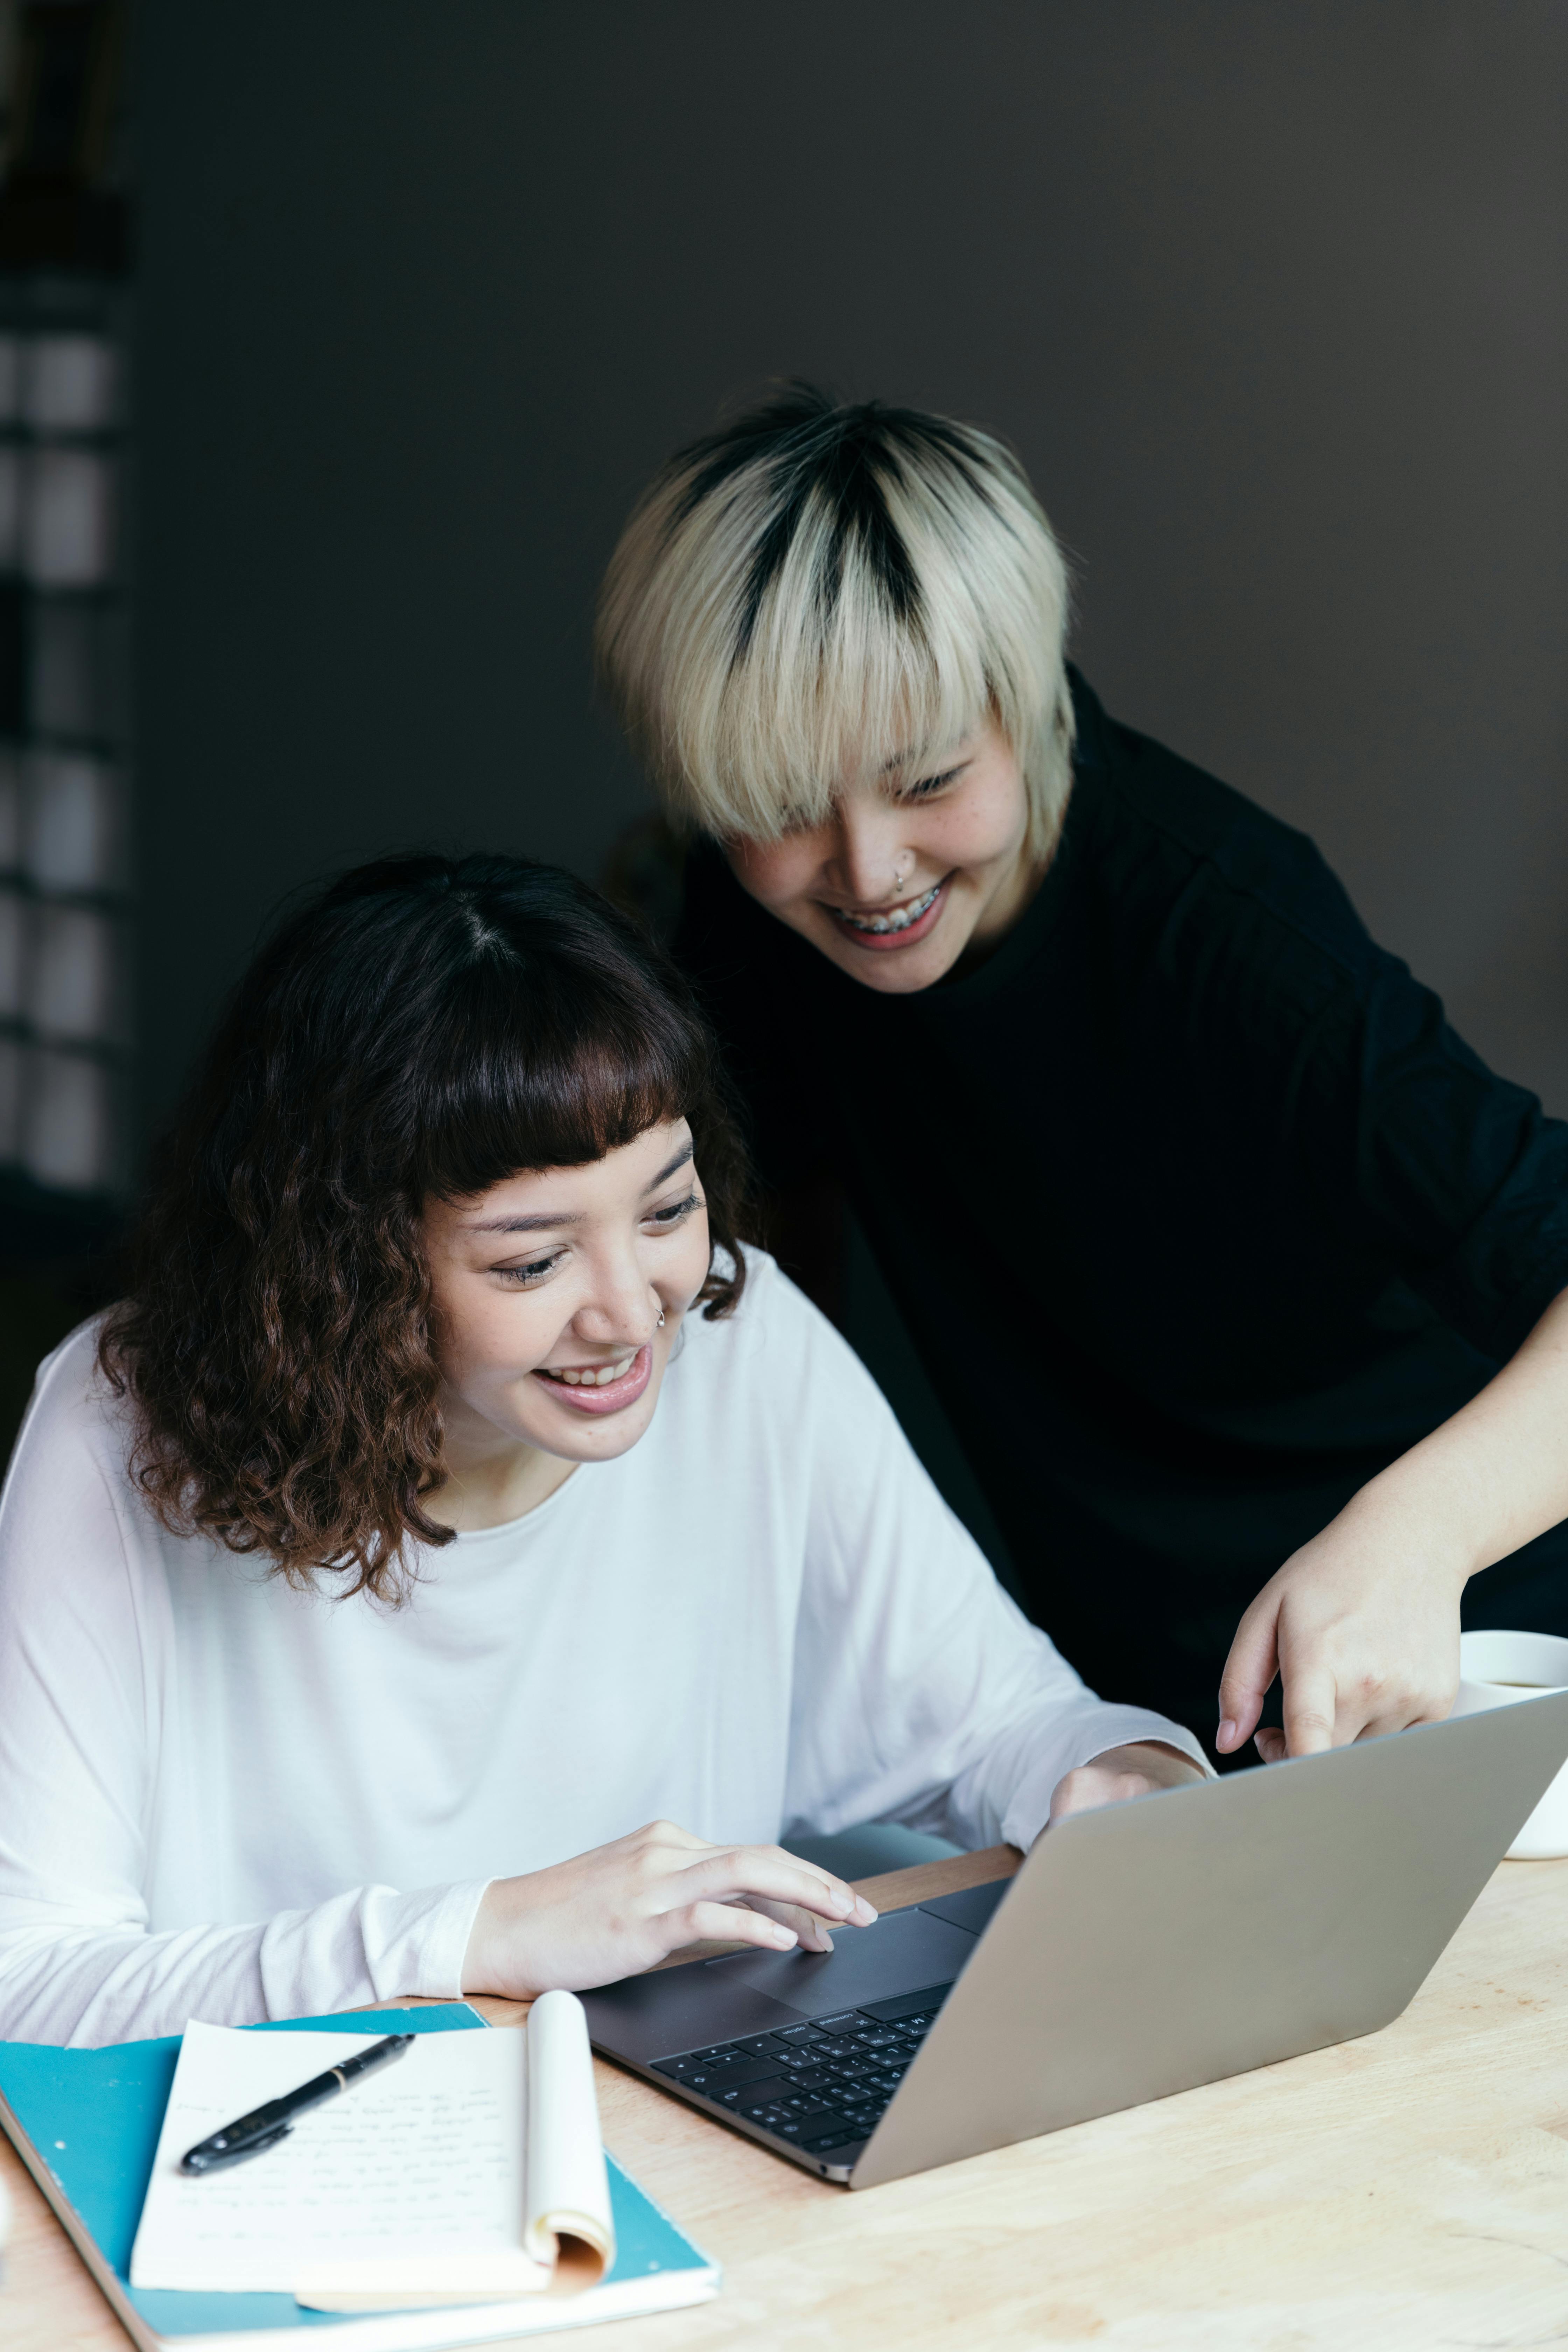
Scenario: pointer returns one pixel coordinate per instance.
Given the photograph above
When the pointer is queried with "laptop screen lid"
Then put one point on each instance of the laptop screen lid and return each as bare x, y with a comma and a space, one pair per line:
1147, 1947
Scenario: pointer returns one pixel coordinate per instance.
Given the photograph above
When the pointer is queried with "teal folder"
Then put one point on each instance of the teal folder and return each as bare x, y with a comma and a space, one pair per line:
86, 2123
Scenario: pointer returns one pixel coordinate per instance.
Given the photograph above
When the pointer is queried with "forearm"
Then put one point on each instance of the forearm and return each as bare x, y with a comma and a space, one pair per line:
66, 1981
1491, 1478
1363, 1622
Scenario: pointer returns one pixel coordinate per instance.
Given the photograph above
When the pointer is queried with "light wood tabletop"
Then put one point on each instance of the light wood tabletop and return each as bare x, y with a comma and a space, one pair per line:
1405, 2192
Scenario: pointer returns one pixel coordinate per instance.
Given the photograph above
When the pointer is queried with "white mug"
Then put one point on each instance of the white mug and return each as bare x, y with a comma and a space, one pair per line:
1495, 1670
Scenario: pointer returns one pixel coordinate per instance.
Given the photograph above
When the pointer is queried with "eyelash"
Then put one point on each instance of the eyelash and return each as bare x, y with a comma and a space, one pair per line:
525, 1278
927, 785
675, 1211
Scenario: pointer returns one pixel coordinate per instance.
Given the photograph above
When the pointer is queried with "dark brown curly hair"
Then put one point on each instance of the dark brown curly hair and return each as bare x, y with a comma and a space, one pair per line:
422, 1028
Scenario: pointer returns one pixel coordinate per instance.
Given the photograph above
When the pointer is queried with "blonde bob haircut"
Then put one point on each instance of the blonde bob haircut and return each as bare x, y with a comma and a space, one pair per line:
816, 594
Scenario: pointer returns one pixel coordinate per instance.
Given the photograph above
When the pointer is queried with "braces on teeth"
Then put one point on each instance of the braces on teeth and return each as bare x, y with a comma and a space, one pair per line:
900, 920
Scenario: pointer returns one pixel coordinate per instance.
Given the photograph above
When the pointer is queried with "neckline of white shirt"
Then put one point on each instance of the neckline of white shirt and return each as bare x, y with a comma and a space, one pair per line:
527, 1518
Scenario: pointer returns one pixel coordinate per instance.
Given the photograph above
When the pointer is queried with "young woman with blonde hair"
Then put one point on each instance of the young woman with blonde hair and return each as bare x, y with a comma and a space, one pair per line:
1240, 1277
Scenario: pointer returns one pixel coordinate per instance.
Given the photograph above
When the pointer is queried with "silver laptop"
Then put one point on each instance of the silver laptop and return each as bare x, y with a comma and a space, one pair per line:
1141, 1950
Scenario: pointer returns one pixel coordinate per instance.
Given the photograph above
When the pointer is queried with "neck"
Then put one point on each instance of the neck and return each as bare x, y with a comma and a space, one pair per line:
489, 1481
1008, 904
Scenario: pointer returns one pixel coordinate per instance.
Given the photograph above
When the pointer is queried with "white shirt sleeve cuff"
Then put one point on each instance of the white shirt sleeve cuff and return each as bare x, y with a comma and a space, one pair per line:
416, 1945
370, 1944
1103, 1728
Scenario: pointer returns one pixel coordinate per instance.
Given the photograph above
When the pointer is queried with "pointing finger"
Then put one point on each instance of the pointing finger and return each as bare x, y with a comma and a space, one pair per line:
1249, 1670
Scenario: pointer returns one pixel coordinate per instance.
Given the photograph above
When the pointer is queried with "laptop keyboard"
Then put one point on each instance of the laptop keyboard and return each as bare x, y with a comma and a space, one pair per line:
821, 2086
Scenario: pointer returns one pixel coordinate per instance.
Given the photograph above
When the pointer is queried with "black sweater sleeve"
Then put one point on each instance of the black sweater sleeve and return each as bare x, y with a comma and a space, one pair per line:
1456, 1172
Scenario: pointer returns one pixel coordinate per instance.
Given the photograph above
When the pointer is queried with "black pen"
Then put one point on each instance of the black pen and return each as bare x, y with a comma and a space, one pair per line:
265, 2126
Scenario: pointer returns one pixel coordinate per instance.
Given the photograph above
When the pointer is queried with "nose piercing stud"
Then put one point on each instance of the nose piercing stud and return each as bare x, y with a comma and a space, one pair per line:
662, 1319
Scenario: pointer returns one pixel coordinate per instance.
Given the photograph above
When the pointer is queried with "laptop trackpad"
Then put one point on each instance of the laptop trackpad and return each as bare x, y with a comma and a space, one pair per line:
902, 1953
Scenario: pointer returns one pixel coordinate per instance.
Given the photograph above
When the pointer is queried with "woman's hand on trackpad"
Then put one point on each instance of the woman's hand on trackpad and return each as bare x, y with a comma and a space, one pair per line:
626, 1907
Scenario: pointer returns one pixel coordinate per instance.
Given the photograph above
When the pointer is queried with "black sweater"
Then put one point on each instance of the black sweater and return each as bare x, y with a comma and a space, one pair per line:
1197, 1210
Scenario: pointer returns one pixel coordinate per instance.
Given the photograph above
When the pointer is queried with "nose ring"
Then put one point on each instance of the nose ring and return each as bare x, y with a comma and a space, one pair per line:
662, 1319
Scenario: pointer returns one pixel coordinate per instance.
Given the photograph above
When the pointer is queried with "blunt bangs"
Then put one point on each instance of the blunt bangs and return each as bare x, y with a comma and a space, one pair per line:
815, 594
551, 1067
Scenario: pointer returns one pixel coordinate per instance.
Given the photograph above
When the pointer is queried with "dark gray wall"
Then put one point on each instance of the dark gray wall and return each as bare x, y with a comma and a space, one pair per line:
1272, 300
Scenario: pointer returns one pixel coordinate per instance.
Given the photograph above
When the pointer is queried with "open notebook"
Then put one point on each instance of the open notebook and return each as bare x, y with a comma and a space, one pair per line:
88, 2123
470, 2170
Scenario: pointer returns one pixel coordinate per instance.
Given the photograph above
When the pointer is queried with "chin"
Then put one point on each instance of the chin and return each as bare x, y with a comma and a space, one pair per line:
602, 1441
903, 973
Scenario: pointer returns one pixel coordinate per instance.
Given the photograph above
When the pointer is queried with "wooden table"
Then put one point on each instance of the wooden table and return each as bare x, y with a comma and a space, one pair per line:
1404, 2192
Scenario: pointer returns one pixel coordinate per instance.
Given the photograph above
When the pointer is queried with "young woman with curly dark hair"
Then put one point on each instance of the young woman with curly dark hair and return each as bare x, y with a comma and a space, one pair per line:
355, 1604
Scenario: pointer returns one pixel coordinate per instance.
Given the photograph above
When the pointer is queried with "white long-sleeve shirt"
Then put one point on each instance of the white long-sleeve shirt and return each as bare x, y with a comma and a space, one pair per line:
222, 1797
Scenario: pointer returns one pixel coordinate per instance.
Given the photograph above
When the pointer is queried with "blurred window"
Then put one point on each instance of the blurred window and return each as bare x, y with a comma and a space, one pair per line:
65, 749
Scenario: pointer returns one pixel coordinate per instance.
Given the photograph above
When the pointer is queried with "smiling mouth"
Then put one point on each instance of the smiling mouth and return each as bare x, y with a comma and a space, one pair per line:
893, 920
592, 1375
600, 1388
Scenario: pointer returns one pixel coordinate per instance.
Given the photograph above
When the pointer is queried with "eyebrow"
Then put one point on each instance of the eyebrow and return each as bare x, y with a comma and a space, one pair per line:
548, 1224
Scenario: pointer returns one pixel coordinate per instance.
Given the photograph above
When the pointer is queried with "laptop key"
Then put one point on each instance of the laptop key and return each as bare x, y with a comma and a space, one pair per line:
836, 2046
810, 2077
768, 2094
690, 2070
712, 2079
830, 2140
801, 2033
845, 2022
762, 2045
908, 2004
